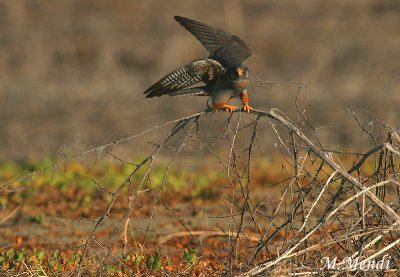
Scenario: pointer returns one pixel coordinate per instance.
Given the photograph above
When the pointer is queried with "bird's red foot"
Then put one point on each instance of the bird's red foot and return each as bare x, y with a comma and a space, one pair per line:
245, 100
221, 105
229, 108
246, 107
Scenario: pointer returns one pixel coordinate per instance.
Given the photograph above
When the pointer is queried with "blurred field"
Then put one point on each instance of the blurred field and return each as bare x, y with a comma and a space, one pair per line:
45, 220
72, 75
74, 71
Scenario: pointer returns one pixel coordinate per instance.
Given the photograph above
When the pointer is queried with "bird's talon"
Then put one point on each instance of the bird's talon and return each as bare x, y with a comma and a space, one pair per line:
229, 108
247, 108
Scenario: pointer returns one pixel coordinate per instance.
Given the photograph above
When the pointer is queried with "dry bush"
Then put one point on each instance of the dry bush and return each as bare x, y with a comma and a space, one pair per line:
331, 203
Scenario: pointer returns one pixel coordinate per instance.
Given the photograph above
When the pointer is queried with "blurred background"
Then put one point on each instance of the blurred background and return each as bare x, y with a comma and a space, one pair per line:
74, 71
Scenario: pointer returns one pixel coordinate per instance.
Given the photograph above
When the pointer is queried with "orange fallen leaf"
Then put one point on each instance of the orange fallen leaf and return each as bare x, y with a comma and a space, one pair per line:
18, 240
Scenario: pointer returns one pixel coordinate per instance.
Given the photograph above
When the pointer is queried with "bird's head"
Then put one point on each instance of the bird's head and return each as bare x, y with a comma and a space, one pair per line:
239, 72
239, 76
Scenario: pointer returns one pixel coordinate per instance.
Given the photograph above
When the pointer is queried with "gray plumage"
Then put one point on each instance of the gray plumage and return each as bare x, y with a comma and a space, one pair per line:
226, 48
221, 77
175, 83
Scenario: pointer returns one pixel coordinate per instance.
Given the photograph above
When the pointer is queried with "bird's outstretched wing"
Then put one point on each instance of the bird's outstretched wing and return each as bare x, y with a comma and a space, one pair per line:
226, 48
178, 81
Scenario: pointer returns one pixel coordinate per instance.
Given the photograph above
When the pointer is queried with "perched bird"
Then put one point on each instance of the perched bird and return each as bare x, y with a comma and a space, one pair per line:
223, 74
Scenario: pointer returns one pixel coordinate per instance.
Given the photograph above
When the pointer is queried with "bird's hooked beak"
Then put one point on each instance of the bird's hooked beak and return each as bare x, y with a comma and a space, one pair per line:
241, 72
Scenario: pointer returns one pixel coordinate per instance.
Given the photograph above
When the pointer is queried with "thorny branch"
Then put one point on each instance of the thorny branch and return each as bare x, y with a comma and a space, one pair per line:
325, 207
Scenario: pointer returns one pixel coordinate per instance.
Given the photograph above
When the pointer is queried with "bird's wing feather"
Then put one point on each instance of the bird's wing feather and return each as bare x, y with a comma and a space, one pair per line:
213, 39
197, 71
199, 91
